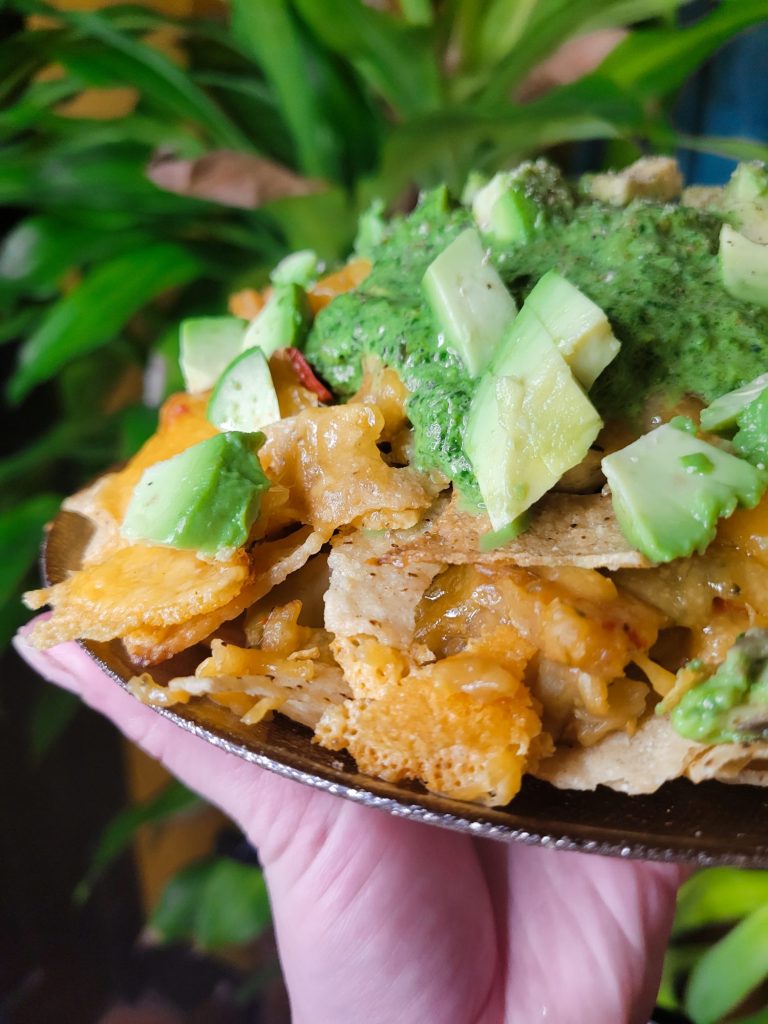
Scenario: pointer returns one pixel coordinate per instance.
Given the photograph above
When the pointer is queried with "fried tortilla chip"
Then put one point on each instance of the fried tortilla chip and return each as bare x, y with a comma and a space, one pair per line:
565, 529
368, 596
138, 586
329, 462
271, 563
630, 764
463, 726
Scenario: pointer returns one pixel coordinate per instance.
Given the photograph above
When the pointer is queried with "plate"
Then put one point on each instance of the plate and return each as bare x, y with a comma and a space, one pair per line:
709, 823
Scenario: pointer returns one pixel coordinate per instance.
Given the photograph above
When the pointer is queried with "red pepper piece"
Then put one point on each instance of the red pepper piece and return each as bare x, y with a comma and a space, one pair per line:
306, 375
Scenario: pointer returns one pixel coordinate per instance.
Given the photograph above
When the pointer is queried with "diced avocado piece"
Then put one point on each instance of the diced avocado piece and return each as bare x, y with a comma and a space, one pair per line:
580, 328
296, 268
669, 488
751, 439
282, 322
469, 300
503, 211
732, 705
371, 229
528, 423
745, 201
475, 181
245, 397
205, 498
650, 177
743, 266
722, 414
207, 345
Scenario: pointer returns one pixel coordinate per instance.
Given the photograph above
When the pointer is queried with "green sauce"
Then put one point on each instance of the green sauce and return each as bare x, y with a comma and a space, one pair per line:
652, 268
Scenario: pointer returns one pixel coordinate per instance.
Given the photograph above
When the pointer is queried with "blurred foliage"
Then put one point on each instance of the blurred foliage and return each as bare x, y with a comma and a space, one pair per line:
100, 263
716, 969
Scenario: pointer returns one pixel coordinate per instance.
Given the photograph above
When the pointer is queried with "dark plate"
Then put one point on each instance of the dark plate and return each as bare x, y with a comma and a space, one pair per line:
709, 823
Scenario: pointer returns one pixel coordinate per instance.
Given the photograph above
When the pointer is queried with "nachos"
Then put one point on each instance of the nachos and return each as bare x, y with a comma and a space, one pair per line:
487, 500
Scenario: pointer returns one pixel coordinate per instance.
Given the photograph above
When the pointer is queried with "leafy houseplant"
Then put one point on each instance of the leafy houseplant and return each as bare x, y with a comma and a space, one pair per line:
337, 100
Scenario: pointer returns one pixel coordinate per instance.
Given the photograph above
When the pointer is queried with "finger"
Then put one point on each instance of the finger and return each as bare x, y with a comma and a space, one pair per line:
599, 925
372, 912
254, 798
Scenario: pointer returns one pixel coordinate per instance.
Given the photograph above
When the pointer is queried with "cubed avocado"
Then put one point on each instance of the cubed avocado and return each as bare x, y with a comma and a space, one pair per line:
732, 705
207, 345
503, 211
669, 488
245, 397
296, 268
577, 325
743, 266
283, 321
722, 414
529, 422
751, 439
206, 498
469, 300
745, 201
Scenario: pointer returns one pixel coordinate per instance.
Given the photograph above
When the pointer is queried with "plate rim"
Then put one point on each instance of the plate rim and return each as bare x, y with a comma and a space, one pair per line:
411, 803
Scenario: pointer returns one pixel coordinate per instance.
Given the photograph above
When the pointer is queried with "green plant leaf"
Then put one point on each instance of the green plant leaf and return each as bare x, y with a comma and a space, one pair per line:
394, 58
53, 711
718, 896
447, 145
19, 323
172, 800
654, 62
729, 970
108, 55
96, 311
213, 904
38, 251
271, 35
21, 532
733, 148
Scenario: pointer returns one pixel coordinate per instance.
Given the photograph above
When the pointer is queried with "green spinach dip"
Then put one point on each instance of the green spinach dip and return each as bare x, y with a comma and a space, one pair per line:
652, 267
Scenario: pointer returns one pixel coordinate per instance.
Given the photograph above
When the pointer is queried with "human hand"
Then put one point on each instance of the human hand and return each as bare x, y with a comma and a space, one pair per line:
385, 920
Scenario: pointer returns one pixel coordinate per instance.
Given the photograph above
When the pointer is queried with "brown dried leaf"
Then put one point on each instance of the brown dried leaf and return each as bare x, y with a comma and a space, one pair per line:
230, 178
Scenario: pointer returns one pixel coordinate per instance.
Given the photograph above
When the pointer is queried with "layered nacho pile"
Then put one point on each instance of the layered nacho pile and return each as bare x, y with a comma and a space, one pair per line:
385, 590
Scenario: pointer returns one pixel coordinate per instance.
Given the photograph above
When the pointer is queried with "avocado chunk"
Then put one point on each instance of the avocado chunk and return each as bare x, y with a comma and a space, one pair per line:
745, 201
296, 268
743, 266
371, 229
578, 326
751, 439
207, 345
732, 705
528, 423
723, 413
503, 211
283, 322
469, 300
245, 397
205, 498
669, 488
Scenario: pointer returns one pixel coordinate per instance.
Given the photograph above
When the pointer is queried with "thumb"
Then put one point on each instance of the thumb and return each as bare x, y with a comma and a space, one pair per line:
269, 809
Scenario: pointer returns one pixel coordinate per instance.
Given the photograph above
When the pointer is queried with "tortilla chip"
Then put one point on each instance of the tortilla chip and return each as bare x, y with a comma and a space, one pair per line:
566, 529
302, 700
463, 726
630, 764
368, 596
271, 563
138, 586
329, 462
